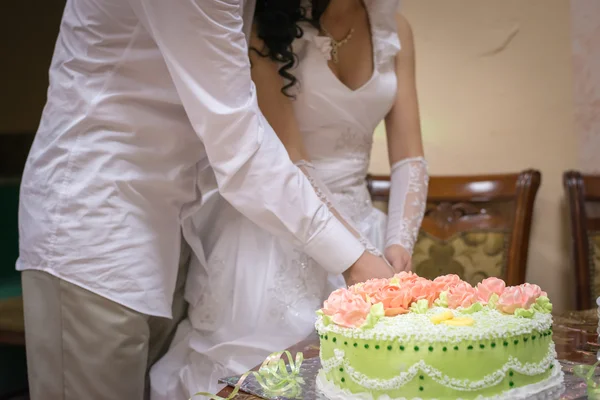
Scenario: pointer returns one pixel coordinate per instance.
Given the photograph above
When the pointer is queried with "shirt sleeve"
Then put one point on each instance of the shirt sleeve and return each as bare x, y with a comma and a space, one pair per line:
205, 49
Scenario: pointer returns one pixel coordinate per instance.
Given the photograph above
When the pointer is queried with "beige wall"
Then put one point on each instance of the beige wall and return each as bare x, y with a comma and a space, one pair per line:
585, 28
496, 96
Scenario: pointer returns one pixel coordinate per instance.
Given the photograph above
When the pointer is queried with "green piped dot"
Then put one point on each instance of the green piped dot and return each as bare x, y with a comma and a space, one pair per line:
334, 340
511, 373
551, 366
341, 369
389, 347
516, 341
455, 347
366, 346
402, 348
376, 347
482, 346
421, 388
533, 337
343, 379
430, 348
345, 343
493, 344
525, 339
505, 344
326, 337
355, 344
469, 347
421, 377
444, 348
416, 348
511, 383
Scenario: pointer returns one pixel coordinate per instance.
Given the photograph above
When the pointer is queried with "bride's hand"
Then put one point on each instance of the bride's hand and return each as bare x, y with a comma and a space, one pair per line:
368, 266
399, 257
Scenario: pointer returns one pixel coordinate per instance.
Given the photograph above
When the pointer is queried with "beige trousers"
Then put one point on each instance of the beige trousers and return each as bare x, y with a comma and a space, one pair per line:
82, 346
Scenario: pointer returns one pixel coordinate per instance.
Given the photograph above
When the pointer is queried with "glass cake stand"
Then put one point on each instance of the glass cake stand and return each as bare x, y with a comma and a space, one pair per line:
573, 389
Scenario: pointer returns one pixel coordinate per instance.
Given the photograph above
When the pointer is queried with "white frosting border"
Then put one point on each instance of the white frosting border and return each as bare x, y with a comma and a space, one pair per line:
489, 324
548, 389
493, 379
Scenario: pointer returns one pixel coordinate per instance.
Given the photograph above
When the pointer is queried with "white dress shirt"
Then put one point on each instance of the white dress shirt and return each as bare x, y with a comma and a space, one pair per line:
143, 95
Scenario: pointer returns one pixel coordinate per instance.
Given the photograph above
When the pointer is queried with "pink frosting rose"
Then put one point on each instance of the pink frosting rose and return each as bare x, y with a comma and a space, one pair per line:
522, 296
333, 302
445, 282
395, 300
488, 287
407, 277
462, 295
533, 290
423, 289
370, 287
346, 309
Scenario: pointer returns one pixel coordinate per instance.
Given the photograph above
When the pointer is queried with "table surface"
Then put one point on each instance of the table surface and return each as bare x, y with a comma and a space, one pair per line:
575, 337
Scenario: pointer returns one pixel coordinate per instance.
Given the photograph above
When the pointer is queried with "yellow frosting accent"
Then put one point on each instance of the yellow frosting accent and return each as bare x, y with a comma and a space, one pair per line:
460, 321
441, 317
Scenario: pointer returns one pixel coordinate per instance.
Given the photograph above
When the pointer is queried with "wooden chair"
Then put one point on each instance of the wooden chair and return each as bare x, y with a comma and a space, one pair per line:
583, 201
474, 226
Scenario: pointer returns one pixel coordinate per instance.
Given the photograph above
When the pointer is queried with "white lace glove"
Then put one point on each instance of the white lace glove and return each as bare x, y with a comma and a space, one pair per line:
327, 198
408, 197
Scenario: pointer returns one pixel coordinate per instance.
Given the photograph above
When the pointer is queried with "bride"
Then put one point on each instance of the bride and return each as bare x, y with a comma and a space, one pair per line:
327, 73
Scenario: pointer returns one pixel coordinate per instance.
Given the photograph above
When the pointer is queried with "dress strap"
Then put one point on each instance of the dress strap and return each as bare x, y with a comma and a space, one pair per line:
382, 14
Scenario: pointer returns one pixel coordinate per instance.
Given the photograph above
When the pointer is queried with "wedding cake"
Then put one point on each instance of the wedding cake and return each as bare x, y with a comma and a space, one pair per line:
413, 338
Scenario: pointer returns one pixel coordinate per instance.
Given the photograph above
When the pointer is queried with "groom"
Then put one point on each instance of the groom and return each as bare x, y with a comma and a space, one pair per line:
143, 95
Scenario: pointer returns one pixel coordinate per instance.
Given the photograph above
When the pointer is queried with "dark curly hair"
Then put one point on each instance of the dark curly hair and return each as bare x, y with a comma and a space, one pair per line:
277, 26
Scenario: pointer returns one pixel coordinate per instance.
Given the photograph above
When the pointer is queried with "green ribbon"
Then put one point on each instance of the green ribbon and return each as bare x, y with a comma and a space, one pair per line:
273, 376
587, 373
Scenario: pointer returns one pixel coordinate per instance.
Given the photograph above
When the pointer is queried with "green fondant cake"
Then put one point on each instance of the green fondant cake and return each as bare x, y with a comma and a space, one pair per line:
412, 338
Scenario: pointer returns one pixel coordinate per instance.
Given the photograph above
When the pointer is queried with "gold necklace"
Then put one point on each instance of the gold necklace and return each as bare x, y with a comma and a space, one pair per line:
335, 44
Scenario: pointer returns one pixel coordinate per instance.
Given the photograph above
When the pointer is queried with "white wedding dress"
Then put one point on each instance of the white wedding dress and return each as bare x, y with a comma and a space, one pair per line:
251, 293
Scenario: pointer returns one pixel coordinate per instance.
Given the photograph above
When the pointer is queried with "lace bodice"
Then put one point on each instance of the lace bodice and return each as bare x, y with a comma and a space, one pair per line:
337, 123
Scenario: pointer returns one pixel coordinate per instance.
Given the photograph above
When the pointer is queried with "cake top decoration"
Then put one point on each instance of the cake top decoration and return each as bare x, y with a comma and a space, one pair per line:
362, 305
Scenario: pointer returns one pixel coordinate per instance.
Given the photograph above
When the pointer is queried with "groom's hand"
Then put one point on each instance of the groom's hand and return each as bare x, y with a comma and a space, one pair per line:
399, 257
368, 266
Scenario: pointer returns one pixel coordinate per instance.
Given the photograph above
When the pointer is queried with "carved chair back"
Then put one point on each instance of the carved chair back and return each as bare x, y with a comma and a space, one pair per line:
583, 202
474, 226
